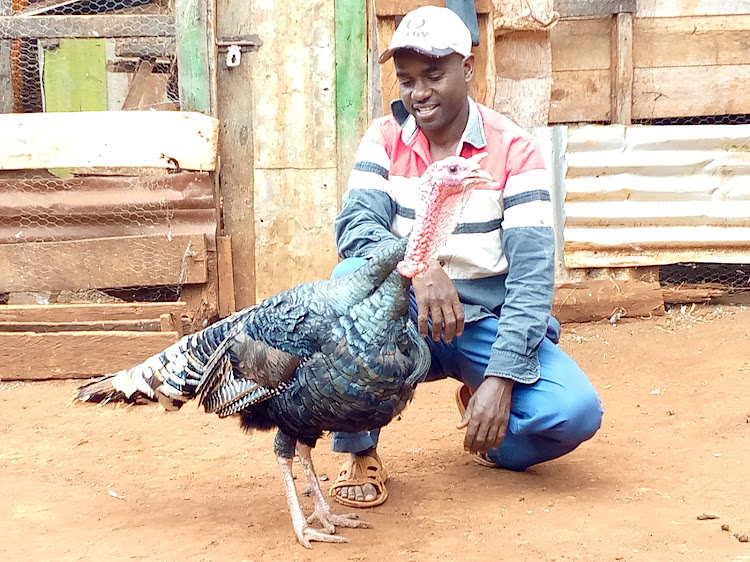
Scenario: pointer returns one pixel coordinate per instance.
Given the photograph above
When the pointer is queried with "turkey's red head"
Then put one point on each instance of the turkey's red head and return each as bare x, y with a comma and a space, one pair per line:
446, 187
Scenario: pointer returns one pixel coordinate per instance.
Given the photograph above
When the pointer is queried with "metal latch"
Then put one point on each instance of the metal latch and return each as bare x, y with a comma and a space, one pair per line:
235, 45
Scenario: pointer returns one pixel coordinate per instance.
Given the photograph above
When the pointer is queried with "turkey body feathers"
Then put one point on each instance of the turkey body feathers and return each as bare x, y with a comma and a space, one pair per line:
331, 355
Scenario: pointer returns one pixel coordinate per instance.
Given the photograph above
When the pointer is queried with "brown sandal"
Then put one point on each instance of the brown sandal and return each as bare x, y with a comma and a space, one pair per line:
463, 394
358, 471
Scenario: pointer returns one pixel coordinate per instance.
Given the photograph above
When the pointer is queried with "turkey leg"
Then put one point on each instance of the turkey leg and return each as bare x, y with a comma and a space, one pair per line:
284, 448
322, 512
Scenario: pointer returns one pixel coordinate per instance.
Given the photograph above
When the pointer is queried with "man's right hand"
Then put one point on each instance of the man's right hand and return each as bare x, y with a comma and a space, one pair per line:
437, 300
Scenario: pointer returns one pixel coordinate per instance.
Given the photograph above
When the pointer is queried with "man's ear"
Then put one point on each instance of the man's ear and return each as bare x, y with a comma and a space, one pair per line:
468, 66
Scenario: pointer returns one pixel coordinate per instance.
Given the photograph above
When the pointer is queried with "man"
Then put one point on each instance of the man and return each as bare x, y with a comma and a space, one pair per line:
484, 303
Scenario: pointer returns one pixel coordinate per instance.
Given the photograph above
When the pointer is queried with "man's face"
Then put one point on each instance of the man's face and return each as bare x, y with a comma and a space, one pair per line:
433, 89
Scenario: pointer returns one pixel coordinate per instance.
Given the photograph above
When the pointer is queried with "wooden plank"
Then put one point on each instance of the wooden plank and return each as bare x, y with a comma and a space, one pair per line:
102, 325
580, 96
351, 84
598, 299
662, 9
524, 77
147, 89
691, 41
297, 247
689, 294
192, 55
236, 147
691, 91
145, 47
62, 355
622, 69
103, 263
158, 139
386, 27
581, 44
74, 76
482, 87
6, 85
82, 313
152, 25
579, 8
227, 304
296, 86
170, 322
402, 7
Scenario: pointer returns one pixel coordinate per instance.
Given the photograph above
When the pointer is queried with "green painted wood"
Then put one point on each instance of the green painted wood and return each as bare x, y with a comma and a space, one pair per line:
351, 82
75, 76
75, 79
192, 55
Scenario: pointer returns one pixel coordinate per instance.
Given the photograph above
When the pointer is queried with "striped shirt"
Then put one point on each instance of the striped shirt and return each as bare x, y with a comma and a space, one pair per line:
500, 256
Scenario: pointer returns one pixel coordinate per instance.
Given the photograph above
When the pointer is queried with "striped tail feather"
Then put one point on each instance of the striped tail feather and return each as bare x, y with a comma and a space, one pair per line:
170, 377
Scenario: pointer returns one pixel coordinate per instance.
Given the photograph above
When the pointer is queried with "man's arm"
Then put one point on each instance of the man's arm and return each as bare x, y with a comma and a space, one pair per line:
368, 208
529, 246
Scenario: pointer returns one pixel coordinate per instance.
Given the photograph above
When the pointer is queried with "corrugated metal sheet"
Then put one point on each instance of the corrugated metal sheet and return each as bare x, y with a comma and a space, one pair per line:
49, 209
651, 195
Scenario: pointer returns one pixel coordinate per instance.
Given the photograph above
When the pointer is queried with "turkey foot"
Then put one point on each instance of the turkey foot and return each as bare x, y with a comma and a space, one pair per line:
322, 513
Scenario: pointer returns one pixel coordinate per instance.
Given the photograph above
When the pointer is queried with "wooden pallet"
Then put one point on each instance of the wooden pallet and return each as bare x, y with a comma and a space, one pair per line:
63, 341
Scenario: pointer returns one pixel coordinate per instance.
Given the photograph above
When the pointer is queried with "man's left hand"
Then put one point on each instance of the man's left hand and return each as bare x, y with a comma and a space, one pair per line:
486, 416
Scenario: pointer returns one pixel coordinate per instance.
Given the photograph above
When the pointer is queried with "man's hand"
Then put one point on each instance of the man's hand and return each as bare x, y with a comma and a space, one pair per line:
487, 414
437, 299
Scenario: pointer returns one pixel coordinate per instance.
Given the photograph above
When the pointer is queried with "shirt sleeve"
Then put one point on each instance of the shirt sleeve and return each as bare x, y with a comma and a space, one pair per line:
368, 209
529, 245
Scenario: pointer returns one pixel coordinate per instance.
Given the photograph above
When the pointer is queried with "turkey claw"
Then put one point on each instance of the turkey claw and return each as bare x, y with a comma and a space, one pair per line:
330, 521
308, 534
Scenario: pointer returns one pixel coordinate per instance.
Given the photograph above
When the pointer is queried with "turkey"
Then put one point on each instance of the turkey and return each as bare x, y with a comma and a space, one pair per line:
331, 355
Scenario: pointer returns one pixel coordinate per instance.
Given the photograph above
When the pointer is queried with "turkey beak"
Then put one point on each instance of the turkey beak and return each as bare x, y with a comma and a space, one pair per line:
481, 179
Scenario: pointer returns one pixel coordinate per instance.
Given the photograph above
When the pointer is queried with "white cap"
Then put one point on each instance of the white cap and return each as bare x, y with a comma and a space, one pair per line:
430, 30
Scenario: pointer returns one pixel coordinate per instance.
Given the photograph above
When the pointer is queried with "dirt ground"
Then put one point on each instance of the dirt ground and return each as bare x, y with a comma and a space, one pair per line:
136, 483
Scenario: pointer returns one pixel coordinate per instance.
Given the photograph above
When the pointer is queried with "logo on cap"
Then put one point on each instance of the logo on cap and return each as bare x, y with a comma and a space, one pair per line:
412, 24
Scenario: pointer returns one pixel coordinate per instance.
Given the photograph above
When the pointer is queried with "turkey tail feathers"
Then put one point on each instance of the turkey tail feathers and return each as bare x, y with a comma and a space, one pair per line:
102, 391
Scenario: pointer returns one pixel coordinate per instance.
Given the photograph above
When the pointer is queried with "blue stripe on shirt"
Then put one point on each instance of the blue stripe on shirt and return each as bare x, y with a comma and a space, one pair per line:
462, 228
526, 197
363, 166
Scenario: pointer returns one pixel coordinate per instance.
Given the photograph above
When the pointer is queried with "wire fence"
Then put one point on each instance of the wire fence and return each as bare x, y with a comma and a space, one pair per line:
50, 67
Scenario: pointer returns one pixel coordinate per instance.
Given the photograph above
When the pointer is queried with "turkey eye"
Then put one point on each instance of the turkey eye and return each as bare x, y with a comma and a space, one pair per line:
453, 169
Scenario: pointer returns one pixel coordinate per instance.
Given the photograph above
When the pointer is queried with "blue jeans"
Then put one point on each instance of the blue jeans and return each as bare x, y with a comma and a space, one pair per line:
548, 418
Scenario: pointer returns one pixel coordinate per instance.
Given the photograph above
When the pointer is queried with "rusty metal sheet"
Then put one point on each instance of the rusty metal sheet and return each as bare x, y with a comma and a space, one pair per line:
54, 209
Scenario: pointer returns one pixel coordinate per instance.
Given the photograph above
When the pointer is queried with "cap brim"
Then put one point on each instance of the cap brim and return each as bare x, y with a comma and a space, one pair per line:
435, 53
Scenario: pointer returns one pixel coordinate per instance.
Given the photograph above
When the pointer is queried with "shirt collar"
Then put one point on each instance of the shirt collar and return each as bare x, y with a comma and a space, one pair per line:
473, 133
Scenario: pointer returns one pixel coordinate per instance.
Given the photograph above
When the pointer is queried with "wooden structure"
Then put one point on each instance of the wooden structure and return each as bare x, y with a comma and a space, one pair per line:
290, 116
626, 60
155, 226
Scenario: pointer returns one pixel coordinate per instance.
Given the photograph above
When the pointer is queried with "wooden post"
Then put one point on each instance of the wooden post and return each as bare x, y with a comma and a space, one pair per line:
351, 82
622, 68
6, 86
192, 33
235, 107
226, 276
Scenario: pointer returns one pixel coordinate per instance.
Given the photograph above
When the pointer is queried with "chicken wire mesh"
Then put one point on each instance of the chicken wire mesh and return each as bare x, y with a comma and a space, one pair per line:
729, 276
133, 69
133, 239
52, 73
